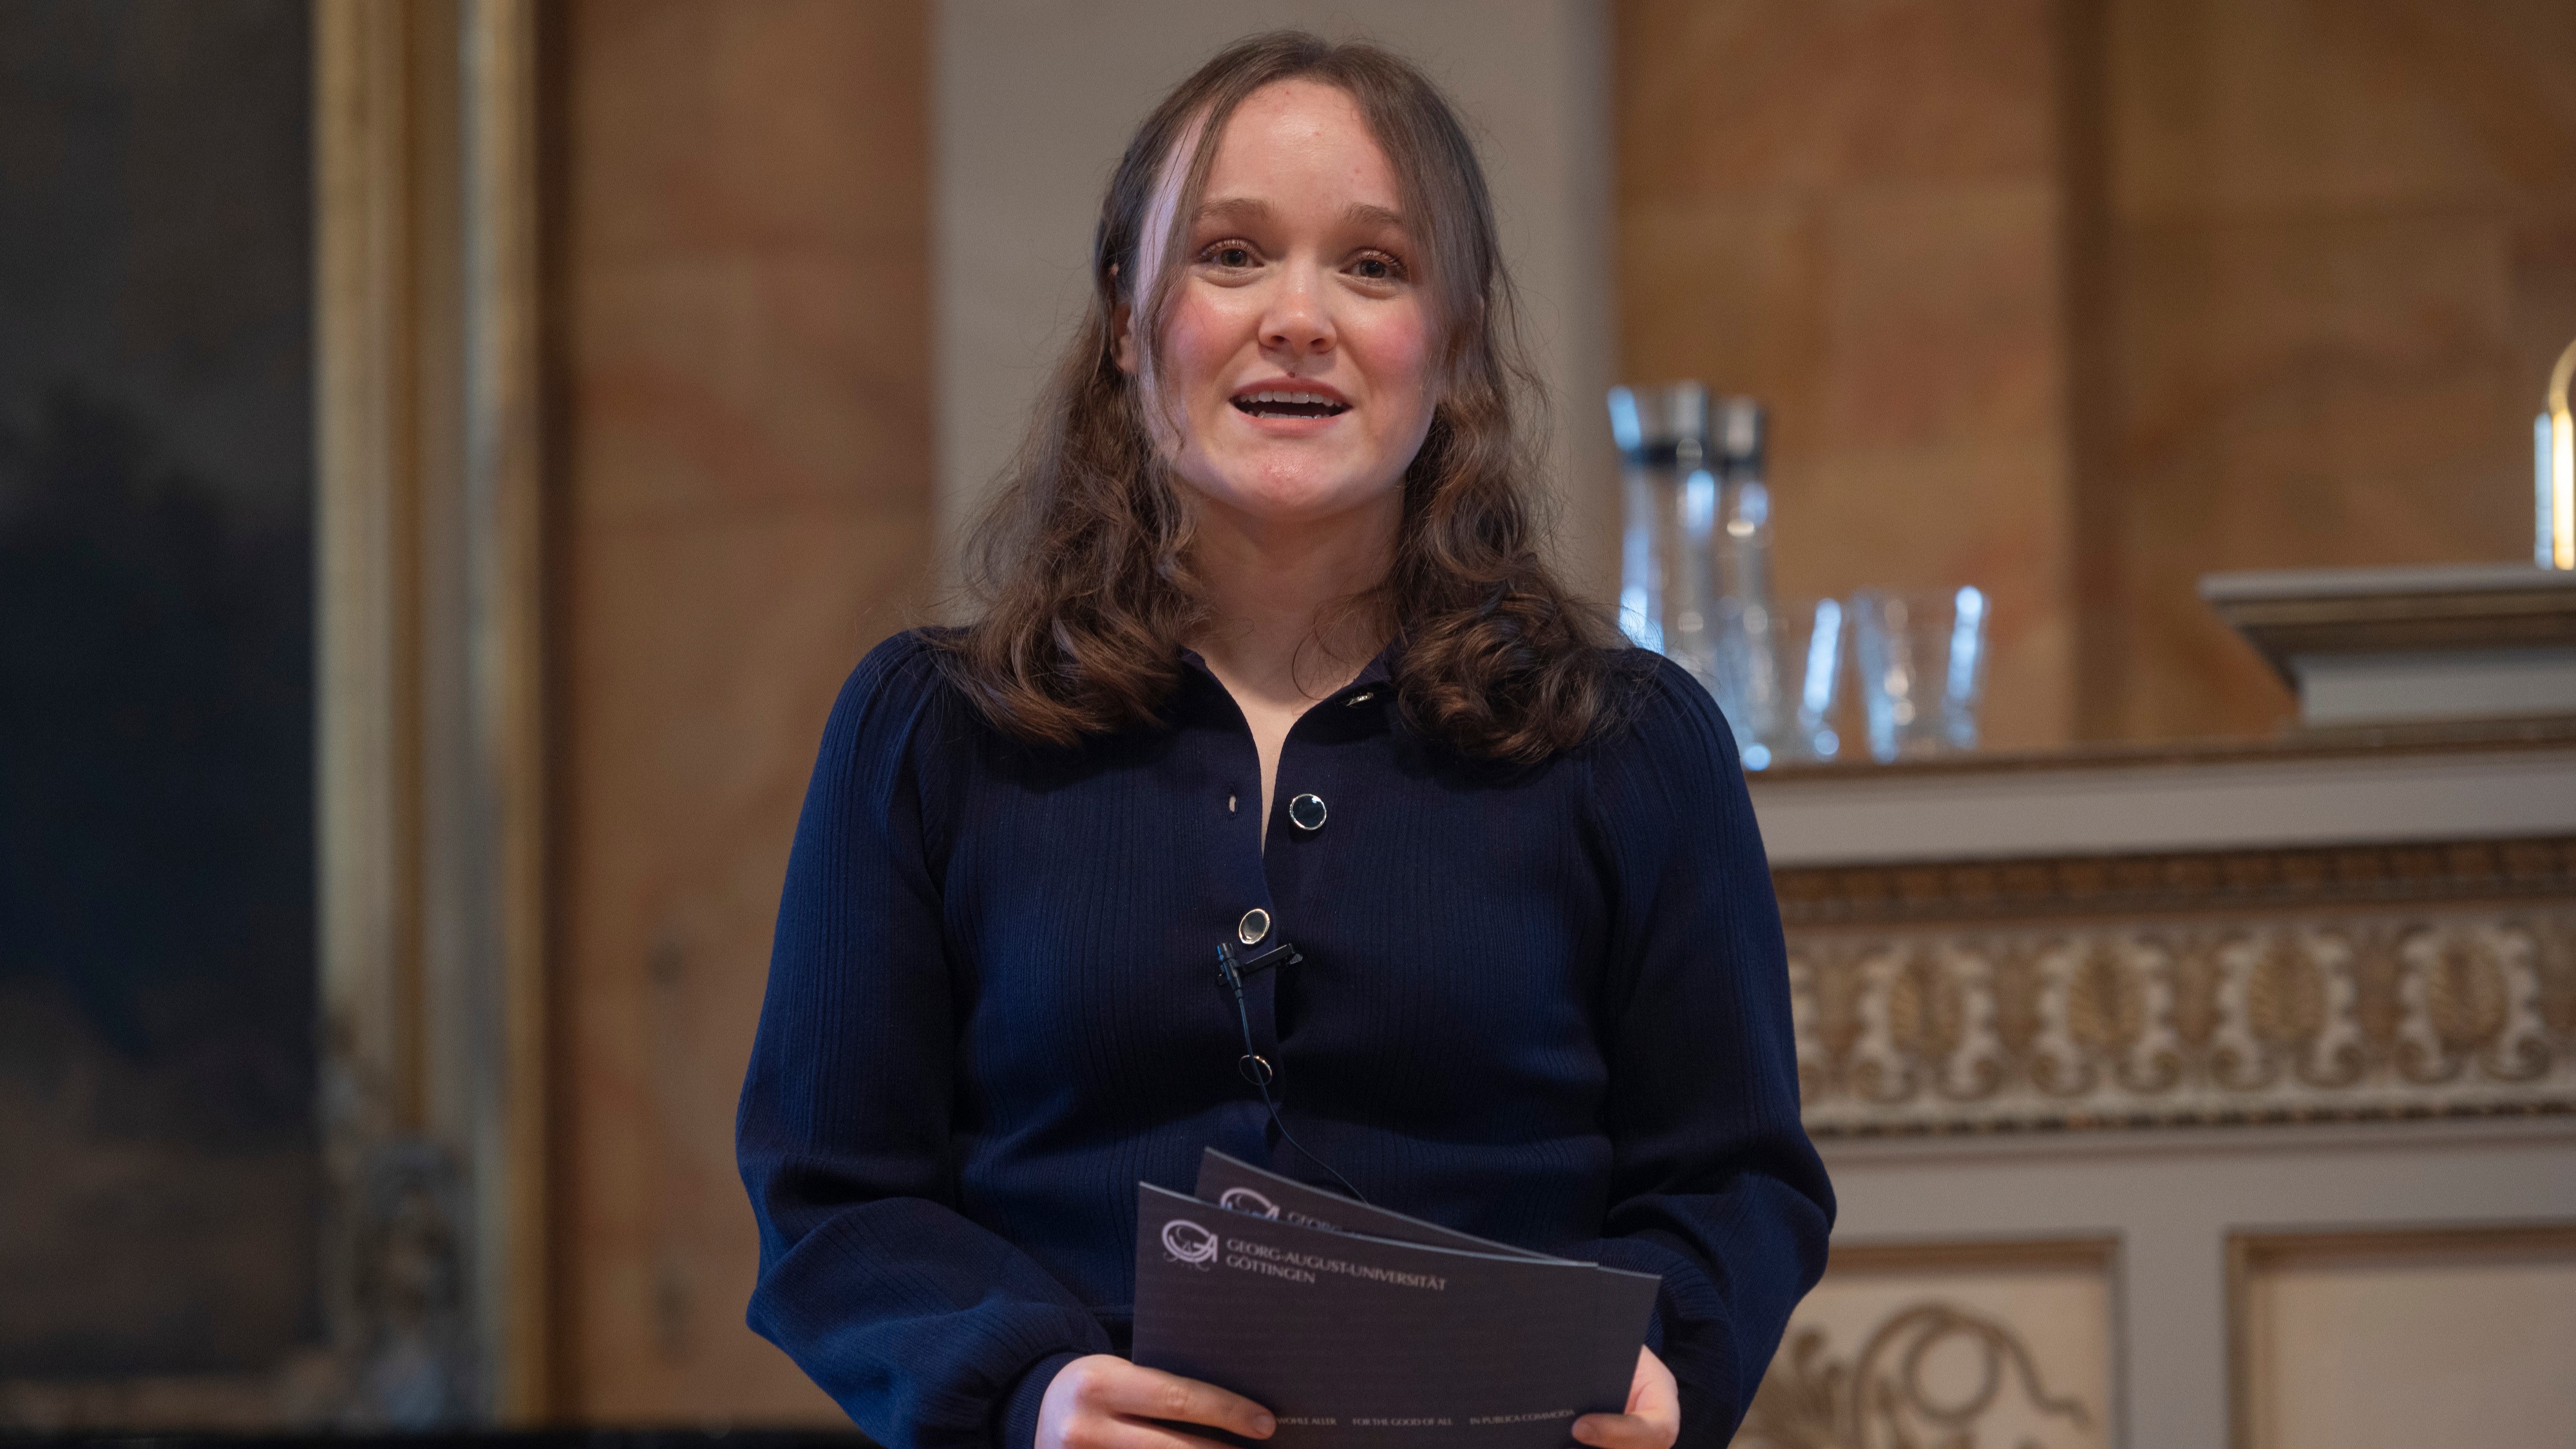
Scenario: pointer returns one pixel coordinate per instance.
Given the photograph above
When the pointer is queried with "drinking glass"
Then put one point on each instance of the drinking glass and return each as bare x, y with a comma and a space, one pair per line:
1922, 669
1810, 652
1746, 668
1779, 673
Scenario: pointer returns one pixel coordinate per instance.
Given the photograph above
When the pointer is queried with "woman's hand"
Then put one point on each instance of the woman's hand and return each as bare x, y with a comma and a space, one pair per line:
1653, 1420
1103, 1402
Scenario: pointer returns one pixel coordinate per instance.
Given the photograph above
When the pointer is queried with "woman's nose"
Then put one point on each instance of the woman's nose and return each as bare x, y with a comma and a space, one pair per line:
1297, 321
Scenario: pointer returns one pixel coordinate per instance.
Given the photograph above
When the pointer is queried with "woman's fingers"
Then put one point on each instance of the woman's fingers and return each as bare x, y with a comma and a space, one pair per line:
1654, 1417
1652, 1394
1617, 1431
1153, 1394
1115, 1431
1100, 1401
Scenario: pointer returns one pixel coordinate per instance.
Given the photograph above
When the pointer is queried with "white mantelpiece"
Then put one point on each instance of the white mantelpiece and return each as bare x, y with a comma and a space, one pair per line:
2381, 645
2313, 788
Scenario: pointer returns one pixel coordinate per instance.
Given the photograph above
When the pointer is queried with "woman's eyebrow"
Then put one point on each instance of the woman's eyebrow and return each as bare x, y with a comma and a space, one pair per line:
1362, 214
1359, 215
1235, 208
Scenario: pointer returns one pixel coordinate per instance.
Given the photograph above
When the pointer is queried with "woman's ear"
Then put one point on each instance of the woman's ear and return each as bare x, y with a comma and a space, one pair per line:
1122, 329
1122, 337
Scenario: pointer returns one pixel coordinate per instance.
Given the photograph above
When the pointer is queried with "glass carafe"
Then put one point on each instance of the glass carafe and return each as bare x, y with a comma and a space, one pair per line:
1748, 633
1667, 585
1695, 563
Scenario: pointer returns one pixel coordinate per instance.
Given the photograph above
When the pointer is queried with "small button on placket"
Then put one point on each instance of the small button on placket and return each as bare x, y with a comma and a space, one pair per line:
1306, 812
1254, 925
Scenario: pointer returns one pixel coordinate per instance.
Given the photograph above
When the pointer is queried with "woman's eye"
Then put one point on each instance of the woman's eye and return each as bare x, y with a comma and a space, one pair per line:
1378, 267
1233, 255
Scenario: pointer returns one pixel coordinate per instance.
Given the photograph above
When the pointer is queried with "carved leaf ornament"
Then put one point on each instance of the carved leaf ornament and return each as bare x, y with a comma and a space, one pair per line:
2465, 1011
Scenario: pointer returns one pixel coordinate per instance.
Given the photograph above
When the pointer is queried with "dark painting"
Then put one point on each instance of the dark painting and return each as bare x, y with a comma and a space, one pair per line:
159, 1177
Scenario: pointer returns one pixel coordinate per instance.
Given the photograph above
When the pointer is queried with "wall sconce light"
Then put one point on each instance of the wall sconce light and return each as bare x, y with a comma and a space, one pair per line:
2554, 446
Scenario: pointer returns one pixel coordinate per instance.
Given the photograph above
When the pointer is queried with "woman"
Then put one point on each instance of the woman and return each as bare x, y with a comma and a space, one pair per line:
1267, 652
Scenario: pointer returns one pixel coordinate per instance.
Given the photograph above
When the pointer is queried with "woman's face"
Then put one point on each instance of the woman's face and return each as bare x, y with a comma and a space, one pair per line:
1296, 370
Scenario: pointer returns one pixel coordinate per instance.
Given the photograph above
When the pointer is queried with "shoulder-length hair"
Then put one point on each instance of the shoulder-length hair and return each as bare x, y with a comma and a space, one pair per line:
1082, 564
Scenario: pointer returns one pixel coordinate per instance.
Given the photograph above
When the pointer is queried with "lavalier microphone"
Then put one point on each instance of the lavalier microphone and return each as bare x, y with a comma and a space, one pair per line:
1232, 966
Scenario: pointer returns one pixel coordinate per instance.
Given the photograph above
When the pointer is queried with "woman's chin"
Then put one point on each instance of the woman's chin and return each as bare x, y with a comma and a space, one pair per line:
1296, 501
1287, 486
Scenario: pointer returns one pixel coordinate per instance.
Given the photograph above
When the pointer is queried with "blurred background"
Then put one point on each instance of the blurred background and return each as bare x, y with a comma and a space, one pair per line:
452, 451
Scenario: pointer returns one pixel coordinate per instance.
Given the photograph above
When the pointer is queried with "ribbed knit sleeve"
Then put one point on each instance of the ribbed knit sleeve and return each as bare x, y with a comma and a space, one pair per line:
1714, 1184
923, 1325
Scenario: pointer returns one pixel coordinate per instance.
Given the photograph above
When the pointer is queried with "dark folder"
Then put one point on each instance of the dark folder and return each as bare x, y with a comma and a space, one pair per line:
1358, 1326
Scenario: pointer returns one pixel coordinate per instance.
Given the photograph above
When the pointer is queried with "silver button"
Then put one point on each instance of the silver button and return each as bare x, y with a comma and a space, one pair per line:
1363, 697
1306, 812
1254, 925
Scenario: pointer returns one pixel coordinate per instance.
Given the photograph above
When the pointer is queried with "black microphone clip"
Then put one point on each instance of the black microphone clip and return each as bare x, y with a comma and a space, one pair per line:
1232, 965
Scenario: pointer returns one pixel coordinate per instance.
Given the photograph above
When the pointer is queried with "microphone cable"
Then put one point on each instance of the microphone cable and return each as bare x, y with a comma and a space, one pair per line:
1257, 1071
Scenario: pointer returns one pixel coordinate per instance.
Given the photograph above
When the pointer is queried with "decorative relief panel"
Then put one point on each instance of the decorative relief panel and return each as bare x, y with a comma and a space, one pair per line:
2152, 1012
1953, 1345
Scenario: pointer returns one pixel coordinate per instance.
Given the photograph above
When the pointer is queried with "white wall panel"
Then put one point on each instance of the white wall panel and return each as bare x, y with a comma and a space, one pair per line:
2392, 1340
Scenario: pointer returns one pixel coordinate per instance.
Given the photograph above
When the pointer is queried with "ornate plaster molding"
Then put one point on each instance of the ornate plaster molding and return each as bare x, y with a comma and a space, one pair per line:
2179, 989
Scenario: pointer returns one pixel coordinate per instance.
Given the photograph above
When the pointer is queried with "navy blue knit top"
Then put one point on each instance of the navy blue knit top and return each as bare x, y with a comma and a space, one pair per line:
1546, 1005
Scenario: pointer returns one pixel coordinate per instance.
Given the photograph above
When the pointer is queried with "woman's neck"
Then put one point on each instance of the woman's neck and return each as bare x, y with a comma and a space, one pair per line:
1279, 626
1279, 636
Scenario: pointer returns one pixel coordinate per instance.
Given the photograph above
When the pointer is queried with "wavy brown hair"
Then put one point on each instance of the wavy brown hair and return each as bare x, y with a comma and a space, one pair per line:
1081, 567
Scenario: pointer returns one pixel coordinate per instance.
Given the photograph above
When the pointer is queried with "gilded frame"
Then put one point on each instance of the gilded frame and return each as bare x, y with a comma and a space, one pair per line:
432, 732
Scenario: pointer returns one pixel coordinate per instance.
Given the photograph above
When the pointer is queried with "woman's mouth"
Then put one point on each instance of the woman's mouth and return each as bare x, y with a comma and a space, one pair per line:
1289, 403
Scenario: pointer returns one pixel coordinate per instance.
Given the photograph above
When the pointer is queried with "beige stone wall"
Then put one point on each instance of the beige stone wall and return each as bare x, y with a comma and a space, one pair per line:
745, 505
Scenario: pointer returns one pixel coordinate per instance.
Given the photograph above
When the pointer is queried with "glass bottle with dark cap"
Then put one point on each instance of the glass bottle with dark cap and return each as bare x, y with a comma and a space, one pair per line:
1667, 588
1695, 563
1743, 533
1747, 635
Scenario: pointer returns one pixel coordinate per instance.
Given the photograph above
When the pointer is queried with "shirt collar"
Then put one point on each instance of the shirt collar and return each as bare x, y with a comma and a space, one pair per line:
1375, 676
1371, 683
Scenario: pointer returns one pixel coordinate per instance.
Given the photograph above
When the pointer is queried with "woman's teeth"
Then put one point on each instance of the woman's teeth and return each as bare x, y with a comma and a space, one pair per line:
1271, 403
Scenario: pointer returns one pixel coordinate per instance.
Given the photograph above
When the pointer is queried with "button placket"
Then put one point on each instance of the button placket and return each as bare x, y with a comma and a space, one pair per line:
1243, 889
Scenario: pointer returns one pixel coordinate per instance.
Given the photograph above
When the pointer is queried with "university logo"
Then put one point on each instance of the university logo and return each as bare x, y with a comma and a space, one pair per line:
1187, 1242
1245, 1200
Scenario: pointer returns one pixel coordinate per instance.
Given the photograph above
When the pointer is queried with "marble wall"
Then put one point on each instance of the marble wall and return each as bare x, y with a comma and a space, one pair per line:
1853, 211
741, 274
2081, 299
